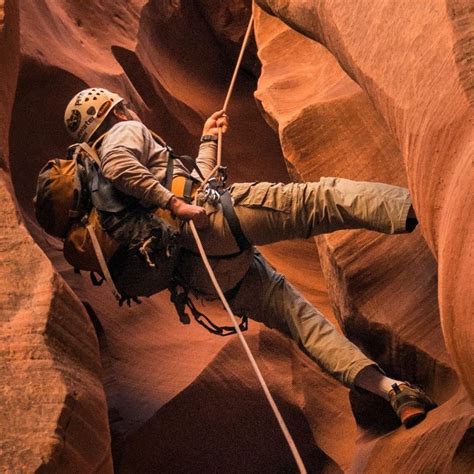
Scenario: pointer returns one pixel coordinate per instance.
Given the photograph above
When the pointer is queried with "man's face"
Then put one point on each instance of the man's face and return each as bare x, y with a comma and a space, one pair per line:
124, 112
132, 114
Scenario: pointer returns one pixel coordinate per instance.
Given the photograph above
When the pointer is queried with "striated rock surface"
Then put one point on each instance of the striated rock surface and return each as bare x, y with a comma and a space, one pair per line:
329, 126
414, 61
54, 414
53, 405
179, 399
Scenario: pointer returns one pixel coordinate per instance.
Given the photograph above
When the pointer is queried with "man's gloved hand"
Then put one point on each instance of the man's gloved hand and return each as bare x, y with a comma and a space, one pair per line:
216, 120
185, 211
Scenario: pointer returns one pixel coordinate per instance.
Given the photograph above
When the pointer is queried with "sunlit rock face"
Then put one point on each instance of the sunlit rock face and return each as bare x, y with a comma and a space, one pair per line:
365, 103
414, 62
178, 398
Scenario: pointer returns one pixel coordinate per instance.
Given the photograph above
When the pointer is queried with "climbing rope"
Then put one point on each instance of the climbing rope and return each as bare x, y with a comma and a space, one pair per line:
271, 401
227, 100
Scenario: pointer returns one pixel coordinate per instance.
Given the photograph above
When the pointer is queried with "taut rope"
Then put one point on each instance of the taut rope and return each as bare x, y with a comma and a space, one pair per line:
271, 401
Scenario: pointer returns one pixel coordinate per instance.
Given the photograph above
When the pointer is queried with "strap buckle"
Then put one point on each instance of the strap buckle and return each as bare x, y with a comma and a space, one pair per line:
210, 193
215, 187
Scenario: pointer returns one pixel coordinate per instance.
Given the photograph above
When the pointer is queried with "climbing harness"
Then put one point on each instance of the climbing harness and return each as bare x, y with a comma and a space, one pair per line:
211, 185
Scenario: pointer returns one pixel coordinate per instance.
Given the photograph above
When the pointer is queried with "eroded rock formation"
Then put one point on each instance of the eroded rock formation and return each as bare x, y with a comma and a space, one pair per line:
179, 399
53, 402
329, 126
415, 64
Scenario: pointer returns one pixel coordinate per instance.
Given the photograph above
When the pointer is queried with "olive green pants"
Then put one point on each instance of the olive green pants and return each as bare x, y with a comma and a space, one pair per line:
266, 296
271, 212
274, 212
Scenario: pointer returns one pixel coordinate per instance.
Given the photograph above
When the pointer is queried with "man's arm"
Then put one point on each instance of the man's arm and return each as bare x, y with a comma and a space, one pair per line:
121, 162
206, 159
206, 162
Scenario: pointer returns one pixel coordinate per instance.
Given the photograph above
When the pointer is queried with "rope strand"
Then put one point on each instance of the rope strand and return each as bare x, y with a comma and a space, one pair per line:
268, 395
227, 100
271, 401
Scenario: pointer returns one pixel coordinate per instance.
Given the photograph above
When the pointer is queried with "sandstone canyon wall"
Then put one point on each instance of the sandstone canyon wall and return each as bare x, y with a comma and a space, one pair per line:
52, 398
414, 62
176, 398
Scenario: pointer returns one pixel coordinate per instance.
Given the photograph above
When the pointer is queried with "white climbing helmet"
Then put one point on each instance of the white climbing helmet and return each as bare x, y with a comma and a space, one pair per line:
87, 110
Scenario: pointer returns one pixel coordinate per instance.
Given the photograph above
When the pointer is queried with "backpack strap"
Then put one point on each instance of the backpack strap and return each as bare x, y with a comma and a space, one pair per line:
188, 162
103, 264
184, 187
169, 171
91, 152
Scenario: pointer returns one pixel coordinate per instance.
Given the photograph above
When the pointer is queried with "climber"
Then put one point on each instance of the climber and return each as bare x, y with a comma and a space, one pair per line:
260, 213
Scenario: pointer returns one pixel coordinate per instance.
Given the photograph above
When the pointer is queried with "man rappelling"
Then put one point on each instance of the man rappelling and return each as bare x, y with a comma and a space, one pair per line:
145, 205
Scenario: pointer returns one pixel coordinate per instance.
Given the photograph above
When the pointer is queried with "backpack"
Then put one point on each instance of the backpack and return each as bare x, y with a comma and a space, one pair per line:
64, 207
69, 194
61, 194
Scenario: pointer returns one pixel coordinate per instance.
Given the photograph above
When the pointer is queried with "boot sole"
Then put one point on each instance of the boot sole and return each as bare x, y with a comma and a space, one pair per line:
411, 416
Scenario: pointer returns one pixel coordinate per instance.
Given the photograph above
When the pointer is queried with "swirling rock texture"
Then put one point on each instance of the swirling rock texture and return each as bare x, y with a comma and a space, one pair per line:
176, 398
353, 95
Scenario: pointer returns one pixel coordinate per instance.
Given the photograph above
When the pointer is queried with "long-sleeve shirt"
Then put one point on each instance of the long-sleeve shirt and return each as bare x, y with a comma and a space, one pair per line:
136, 164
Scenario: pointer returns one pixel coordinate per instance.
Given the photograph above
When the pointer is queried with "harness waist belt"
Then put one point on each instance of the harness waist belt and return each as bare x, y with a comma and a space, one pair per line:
185, 188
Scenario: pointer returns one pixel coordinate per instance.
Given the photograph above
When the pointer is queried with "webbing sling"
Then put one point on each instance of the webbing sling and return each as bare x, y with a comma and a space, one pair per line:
181, 300
233, 221
102, 263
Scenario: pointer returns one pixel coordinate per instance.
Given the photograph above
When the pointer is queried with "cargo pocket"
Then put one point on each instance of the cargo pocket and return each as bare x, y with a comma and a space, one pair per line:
276, 196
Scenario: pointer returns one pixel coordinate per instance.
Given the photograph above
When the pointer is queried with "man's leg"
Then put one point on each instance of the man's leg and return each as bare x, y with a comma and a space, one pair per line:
266, 296
270, 212
273, 212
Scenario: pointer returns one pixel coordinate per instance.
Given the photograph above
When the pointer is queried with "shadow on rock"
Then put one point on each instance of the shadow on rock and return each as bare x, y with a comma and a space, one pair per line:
222, 423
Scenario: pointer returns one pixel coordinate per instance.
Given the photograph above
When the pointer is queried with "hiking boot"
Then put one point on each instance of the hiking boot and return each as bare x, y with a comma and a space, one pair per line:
410, 403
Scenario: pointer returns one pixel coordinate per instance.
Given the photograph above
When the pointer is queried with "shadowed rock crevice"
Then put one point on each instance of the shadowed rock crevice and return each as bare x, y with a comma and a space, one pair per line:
156, 113
460, 13
401, 360
462, 460
37, 132
223, 423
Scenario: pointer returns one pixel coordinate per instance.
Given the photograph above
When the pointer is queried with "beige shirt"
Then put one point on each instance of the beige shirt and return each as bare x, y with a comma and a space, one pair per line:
136, 163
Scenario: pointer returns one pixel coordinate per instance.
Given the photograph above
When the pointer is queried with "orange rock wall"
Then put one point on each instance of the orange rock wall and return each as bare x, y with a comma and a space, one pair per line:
54, 415
383, 288
178, 398
414, 61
